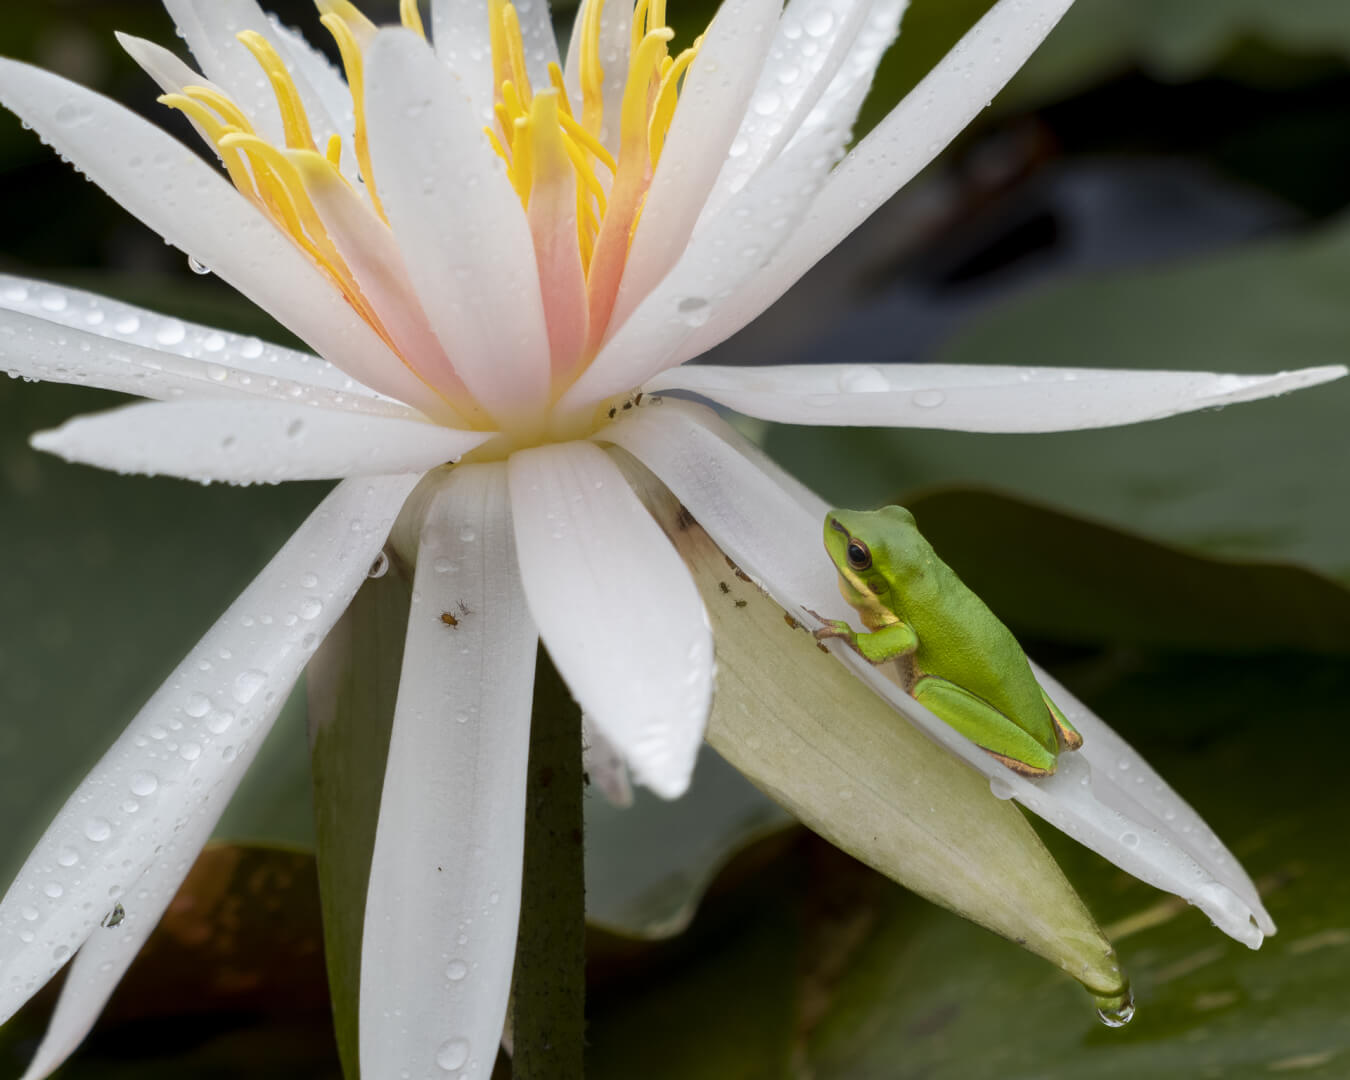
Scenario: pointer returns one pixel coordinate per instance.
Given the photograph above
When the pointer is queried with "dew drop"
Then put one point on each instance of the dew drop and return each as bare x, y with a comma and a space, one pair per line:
1129, 839
379, 567
198, 705
1116, 1011
29, 913
863, 379
170, 333
144, 783
68, 856
98, 829
456, 970
694, 310
1000, 788
248, 683
452, 1054
197, 267
929, 399
310, 608
54, 889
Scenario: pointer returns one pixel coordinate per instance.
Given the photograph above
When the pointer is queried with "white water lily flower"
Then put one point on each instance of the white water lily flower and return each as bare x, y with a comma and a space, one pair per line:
496, 255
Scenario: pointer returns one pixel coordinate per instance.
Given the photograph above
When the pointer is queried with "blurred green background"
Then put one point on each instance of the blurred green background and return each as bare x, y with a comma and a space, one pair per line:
1164, 186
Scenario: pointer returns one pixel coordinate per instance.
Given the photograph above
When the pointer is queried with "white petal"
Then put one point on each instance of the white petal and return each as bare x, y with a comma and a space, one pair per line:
191, 738
839, 102
604, 765
169, 72
713, 99
254, 442
210, 27
616, 608
916, 131
444, 896
732, 250
616, 39
810, 43
459, 32
974, 397
772, 530
459, 225
119, 322
193, 207
109, 950
32, 348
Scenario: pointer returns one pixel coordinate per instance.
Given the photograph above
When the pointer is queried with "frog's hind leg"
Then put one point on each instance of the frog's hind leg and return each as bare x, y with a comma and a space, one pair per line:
1069, 739
984, 725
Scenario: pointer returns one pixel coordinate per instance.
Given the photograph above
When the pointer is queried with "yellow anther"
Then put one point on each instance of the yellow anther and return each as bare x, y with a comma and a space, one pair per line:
592, 74
515, 53
641, 70
589, 142
663, 111
293, 118
362, 29
215, 130
639, 26
229, 112
411, 17
273, 189
515, 107
334, 151
555, 80
505, 121
498, 147
522, 162
350, 50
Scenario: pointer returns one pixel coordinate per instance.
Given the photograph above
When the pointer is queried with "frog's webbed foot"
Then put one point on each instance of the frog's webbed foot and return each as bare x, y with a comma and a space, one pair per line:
1069, 738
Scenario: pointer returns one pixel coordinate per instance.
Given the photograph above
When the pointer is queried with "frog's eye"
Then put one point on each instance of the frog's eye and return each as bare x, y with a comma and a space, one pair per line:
858, 556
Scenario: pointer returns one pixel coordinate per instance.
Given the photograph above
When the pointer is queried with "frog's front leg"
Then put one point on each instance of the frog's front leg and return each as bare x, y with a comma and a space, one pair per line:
877, 646
984, 725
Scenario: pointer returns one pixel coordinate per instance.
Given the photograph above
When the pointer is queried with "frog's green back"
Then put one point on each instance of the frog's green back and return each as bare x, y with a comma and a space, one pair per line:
960, 639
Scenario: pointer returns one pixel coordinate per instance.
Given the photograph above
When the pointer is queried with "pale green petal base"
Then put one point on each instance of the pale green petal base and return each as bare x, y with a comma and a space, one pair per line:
816, 739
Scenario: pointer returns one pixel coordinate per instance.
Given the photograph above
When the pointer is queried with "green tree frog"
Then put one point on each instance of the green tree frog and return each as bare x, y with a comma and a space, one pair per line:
952, 653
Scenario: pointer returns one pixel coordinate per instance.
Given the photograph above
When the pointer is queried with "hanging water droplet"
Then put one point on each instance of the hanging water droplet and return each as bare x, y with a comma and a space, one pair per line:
1117, 1010
379, 567
1000, 788
197, 267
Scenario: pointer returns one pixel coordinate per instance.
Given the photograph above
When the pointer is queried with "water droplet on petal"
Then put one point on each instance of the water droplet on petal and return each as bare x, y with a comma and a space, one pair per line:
452, 1054
198, 705
197, 267
379, 567
456, 970
248, 683
929, 399
144, 783
98, 829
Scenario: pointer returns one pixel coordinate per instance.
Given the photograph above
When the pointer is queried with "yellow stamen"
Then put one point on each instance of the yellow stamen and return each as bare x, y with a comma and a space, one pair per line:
354, 65
411, 17
592, 74
362, 28
293, 118
215, 131
663, 111
639, 26
334, 151
515, 52
228, 110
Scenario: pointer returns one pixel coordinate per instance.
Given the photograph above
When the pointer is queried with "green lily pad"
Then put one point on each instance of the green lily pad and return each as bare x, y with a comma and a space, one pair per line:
1251, 481
928, 994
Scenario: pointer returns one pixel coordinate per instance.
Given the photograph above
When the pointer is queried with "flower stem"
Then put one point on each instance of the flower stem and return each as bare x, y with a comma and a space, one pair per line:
548, 1016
